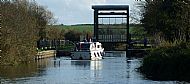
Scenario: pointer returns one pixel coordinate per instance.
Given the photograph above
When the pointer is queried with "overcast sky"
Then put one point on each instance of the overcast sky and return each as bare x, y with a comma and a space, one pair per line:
71, 12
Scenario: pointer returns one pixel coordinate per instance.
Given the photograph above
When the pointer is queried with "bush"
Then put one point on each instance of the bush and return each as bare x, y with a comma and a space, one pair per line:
23, 23
168, 63
72, 36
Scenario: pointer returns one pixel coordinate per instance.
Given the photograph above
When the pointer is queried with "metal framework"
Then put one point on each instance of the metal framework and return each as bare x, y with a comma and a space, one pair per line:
0, 26
111, 23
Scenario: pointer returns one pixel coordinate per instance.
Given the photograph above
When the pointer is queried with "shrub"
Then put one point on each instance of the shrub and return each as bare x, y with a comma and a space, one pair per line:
23, 23
168, 63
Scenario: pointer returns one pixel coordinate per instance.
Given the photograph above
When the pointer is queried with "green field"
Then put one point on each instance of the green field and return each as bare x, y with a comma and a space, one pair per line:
79, 28
90, 28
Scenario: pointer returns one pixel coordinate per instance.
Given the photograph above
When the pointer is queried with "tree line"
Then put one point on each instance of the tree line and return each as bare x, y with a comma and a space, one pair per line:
53, 33
167, 20
23, 22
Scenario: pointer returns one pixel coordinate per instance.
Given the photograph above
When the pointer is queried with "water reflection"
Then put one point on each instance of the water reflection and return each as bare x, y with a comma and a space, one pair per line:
96, 65
128, 67
94, 68
87, 64
36, 68
24, 70
114, 53
57, 63
111, 70
80, 63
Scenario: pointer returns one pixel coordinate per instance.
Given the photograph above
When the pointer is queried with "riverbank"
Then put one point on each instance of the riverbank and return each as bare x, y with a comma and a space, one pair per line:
168, 63
45, 54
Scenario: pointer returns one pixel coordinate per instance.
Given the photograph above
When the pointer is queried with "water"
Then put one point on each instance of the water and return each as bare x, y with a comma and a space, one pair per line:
114, 69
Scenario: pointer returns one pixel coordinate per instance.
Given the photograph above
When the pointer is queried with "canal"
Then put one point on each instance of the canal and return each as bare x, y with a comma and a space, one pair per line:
113, 69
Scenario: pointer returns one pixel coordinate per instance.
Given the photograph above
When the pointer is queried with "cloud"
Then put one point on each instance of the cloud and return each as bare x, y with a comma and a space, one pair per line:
76, 11
99, 1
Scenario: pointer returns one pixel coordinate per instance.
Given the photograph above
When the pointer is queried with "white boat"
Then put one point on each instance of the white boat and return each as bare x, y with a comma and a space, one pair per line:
88, 51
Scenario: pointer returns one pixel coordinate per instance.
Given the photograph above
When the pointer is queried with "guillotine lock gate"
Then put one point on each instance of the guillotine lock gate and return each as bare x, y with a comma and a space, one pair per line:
111, 23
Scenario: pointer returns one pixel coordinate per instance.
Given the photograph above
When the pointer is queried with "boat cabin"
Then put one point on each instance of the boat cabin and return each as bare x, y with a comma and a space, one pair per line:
88, 51
87, 46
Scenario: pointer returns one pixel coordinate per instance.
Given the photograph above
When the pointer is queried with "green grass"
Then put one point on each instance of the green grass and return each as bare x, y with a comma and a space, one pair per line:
90, 28
79, 28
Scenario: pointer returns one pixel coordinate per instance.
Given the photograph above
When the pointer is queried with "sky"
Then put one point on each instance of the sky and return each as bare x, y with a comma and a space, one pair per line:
70, 12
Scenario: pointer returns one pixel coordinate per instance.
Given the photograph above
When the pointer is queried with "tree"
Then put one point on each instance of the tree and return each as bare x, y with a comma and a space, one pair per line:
72, 36
53, 33
168, 19
43, 17
21, 23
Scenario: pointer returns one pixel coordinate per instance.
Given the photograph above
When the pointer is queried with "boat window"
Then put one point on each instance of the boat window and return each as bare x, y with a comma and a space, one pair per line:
98, 46
85, 46
95, 54
98, 54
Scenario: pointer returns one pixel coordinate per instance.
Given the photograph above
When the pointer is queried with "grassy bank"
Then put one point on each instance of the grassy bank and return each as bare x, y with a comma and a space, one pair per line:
168, 63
